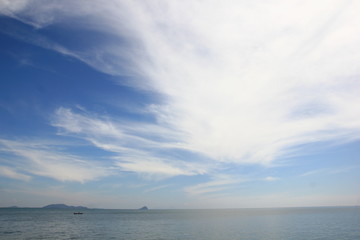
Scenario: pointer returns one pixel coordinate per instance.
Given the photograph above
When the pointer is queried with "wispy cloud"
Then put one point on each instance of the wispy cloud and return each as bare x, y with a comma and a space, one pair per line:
313, 172
238, 90
157, 188
12, 173
271, 179
137, 147
44, 159
218, 183
326, 171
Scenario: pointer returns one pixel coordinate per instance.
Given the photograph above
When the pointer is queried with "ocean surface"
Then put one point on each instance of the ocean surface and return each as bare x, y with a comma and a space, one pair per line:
324, 223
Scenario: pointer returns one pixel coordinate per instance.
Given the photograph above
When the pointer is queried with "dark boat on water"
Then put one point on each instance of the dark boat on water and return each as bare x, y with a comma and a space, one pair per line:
78, 213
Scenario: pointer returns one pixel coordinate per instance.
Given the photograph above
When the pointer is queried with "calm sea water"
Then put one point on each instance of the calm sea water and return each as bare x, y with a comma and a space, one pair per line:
338, 223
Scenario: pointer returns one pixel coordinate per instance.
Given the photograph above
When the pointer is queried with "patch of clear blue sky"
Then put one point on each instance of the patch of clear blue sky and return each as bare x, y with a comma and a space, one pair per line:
35, 81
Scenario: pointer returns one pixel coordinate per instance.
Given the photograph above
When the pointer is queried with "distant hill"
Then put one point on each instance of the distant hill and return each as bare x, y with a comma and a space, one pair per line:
144, 208
63, 206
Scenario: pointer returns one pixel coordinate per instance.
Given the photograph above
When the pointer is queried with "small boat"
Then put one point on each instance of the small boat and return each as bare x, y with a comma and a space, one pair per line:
78, 213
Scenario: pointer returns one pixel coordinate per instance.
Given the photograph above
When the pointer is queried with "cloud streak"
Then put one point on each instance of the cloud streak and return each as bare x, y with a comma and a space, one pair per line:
44, 159
248, 87
12, 173
135, 146
218, 183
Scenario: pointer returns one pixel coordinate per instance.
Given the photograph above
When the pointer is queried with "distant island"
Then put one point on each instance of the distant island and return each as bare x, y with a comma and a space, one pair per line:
64, 206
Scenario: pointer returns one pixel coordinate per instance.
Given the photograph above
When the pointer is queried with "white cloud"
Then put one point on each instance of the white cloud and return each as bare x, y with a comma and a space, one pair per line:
218, 183
42, 159
245, 82
319, 171
327, 171
12, 173
157, 188
149, 166
258, 90
77, 123
271, 179
136, 147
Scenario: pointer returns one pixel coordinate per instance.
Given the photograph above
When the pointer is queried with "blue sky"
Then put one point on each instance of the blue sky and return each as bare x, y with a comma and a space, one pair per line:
179, 104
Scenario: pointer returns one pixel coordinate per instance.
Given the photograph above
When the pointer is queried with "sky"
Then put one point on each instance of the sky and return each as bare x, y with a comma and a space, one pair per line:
179, 104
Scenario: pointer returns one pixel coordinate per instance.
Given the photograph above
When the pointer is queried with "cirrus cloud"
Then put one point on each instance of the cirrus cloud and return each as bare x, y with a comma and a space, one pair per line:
45, 159
242, 82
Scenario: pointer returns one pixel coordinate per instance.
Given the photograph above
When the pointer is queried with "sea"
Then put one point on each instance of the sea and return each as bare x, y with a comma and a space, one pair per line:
314, 223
